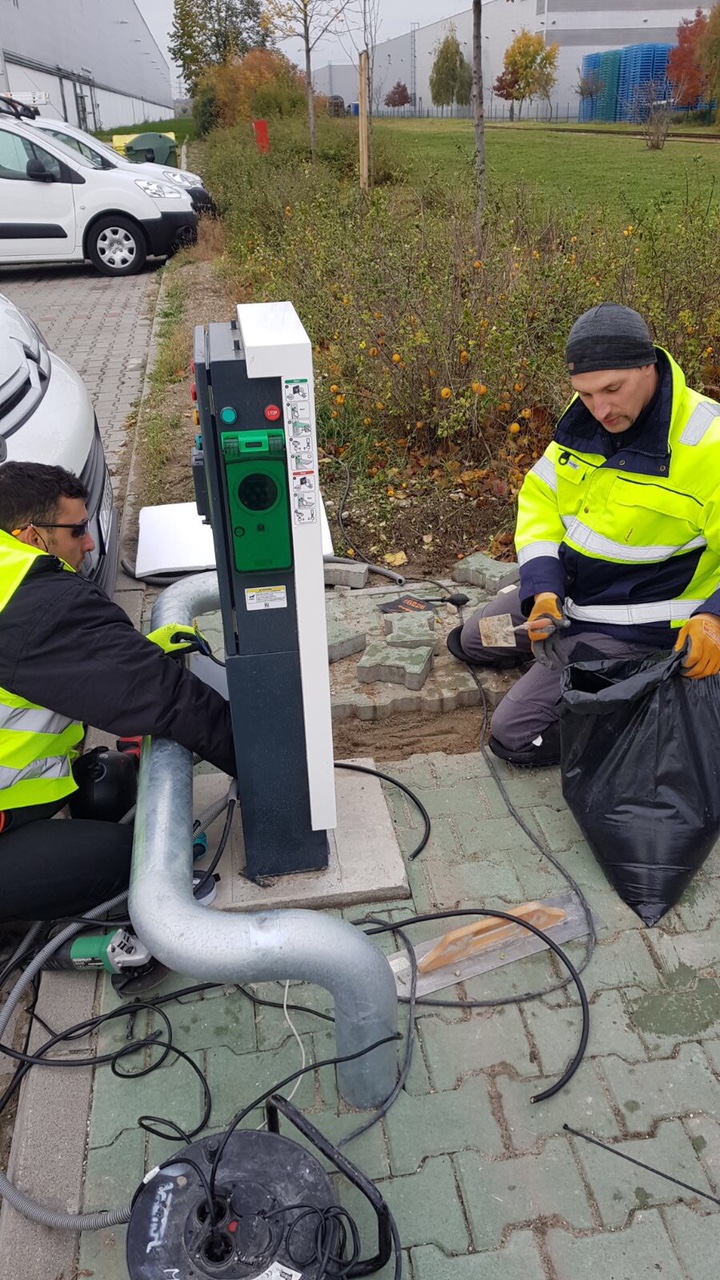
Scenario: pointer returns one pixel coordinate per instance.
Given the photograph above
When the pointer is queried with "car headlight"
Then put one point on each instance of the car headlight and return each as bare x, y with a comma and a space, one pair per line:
159, 190
182, 178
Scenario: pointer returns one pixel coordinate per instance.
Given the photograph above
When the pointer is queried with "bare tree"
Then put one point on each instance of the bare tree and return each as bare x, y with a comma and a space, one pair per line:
309, 21
652, 109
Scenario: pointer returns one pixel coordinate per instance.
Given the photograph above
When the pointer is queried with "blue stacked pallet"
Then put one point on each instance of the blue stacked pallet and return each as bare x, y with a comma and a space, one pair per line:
607, 101
590, 73
640, 65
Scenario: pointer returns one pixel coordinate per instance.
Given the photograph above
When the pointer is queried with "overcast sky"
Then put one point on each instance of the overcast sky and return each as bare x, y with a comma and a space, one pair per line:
395, 19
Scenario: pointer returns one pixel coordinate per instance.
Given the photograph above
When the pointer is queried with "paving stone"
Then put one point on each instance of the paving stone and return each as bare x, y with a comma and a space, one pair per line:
114, 1173
697, 1239
685, 1007
172, 1091
505, 1193
235, 1080
583, 1103
272, 1029
411, 631
344, 640
642, 1252
704, 1134
426, 1207
410, 667
441, 1123
346, 575
488, 1039
554, 1031
519, 1257
482, 571
620, 1188
102, 1255
368, 1152
699, 906
653, 1090
699, 950
558, 827
619, 961
205, 1024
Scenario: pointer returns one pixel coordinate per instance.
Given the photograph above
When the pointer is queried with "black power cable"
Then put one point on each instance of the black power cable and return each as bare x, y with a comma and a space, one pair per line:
377, 773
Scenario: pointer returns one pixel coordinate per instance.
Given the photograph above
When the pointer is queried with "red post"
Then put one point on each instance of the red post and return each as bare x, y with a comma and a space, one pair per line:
262, 135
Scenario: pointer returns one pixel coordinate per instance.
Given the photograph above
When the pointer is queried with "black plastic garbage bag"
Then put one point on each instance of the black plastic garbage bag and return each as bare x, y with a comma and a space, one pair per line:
641, 772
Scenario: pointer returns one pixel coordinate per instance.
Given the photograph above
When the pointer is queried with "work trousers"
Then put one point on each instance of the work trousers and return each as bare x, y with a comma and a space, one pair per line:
54, 867
532, 704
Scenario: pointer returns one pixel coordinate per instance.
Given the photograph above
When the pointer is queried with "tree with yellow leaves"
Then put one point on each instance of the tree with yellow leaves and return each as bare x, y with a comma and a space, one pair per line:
529, 69
308, 21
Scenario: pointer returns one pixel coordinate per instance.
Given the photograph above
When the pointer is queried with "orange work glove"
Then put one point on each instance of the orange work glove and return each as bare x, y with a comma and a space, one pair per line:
703, 633
545, 608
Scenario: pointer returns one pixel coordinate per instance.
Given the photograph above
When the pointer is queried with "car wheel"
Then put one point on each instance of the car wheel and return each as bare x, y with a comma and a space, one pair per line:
116, 246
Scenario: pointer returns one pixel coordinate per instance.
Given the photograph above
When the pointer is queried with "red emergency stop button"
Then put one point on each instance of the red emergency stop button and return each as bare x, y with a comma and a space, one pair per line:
272, 412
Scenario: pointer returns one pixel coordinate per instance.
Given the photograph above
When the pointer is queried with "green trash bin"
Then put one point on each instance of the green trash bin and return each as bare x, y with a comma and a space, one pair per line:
158, 148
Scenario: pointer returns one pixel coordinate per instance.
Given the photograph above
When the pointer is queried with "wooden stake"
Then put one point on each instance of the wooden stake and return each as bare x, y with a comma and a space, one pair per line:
364, 122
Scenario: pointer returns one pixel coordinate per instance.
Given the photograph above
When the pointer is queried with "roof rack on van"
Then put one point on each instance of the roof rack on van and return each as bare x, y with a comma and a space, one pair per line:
10, 106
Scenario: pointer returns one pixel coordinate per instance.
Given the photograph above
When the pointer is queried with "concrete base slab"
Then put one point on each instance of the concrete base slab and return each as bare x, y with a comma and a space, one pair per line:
365, 862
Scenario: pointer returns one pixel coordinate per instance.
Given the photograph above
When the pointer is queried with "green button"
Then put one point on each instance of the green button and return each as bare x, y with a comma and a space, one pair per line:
228, 415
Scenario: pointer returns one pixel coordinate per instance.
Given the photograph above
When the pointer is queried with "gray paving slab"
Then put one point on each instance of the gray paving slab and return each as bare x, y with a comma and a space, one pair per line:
101, 326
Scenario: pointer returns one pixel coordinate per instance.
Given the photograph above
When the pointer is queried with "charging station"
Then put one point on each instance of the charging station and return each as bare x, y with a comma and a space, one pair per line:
256, 480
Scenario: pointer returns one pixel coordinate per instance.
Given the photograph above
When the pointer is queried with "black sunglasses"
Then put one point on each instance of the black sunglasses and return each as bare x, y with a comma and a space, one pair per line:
78, 530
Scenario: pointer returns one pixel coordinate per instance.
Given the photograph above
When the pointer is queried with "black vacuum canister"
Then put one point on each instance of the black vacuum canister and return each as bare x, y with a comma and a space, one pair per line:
257, 1235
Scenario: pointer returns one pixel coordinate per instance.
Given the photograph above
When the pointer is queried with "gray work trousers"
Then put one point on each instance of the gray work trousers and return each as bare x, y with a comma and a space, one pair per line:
532, 704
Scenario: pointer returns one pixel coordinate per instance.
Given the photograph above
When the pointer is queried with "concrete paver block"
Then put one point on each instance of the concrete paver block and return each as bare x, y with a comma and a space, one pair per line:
696, 1238
653, 1091
479, 570
344, 640
346, 575
411, 631
642, 1252
504, 1193
519, 1257
410, 667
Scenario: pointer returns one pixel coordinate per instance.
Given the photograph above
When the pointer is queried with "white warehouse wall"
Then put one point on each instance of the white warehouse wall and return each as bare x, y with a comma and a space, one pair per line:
579, 28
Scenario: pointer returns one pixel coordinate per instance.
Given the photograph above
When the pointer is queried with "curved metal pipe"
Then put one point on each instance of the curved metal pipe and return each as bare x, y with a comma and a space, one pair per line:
249, 946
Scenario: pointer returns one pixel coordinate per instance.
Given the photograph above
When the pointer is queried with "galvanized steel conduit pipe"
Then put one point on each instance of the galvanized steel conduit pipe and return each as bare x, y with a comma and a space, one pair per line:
262, 946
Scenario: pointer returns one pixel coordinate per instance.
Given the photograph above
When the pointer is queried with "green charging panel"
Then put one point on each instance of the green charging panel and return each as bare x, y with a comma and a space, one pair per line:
256, 469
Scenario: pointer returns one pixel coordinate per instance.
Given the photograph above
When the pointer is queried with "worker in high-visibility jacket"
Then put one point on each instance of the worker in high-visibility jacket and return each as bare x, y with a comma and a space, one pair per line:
618, 531
70, 657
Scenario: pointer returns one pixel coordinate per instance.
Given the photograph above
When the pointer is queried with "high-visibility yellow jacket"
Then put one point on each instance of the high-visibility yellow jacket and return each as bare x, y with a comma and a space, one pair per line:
37, 746
625, 529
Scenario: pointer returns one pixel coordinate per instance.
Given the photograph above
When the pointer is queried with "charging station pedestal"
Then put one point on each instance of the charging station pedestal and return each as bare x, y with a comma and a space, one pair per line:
256, 480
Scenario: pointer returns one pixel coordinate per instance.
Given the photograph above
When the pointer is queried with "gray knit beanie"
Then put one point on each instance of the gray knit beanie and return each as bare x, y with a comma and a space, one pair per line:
609, 337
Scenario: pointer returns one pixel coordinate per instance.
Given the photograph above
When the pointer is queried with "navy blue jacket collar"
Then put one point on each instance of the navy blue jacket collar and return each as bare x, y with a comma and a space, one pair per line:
647, 452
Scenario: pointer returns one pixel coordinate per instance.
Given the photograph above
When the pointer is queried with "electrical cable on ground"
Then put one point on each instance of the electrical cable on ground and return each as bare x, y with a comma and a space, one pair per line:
586, 1137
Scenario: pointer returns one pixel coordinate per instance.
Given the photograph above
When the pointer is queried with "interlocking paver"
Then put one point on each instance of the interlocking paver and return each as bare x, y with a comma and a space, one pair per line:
442, 1123
642, 1252
101, 326
489, 1038
505, 1193
697, 1239
555, 1030
621, 1188
653, 1090
582, 1103
519, 1257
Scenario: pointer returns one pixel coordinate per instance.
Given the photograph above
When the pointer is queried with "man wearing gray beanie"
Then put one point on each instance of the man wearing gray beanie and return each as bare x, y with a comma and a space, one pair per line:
618, 531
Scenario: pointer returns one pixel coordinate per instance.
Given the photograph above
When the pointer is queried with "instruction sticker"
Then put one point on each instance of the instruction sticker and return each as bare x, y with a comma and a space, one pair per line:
301, 450
276, 1271
265, 598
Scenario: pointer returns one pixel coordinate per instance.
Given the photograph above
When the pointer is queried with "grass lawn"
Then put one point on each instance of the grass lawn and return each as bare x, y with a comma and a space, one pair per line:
609, 174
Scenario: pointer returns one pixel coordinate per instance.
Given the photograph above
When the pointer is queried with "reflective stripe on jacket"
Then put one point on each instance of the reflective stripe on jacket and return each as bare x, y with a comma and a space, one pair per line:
628, 536
37, 746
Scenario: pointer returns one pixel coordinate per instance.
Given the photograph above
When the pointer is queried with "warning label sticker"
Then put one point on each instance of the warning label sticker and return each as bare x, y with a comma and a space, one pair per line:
265, 598
301, 451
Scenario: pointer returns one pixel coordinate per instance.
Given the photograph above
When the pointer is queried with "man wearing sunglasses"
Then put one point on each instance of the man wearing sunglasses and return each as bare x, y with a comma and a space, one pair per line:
70, 657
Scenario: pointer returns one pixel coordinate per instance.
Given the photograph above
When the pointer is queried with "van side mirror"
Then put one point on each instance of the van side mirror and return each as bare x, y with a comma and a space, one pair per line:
36, 171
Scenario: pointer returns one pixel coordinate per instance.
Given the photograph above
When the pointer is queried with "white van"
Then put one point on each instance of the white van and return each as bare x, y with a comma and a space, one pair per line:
101, 156
55, 206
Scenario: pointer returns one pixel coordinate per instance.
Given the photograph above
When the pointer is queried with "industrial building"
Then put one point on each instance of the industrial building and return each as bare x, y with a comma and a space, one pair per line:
95, 65
593, 26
